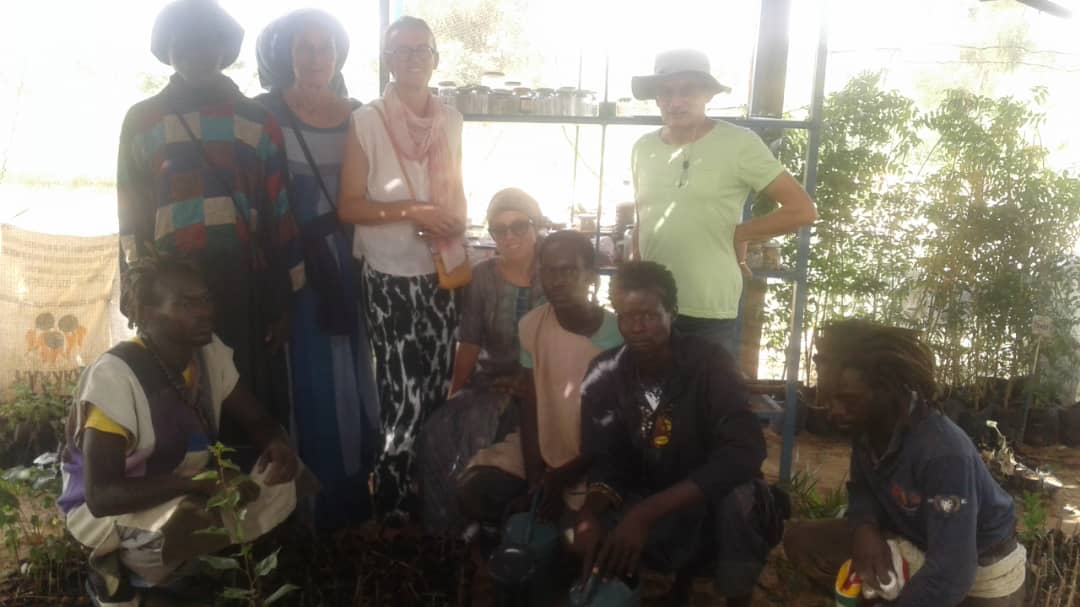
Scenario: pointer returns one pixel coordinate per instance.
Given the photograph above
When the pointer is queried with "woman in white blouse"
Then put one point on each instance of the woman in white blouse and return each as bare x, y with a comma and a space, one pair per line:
401, 185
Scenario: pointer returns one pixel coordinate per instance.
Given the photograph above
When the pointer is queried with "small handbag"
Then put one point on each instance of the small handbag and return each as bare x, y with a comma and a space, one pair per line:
612, 593
460, 275
522, 565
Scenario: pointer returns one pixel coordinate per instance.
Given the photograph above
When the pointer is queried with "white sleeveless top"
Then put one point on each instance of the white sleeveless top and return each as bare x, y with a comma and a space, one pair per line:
394, 248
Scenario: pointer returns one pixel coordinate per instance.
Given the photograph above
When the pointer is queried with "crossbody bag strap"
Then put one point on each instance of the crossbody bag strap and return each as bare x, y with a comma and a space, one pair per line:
230, 188
307, 154
397, 152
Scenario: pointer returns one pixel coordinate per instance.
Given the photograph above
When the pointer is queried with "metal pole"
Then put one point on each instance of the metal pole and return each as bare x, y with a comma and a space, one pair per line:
384, 22
795, 339
1030, 397
603, 149
577, 141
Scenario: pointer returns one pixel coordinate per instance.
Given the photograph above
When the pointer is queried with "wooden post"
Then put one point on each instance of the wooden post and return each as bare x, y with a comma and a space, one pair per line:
766, 100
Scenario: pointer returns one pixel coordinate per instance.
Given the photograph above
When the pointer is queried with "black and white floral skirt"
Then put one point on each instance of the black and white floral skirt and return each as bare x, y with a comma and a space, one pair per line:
412, 323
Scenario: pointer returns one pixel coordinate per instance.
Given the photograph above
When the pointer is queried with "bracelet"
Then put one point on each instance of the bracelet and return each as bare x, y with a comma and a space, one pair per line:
401, 214
605, 490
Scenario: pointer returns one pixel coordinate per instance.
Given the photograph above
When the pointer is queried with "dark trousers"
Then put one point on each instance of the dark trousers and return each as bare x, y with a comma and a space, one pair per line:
728, 539
720, 331
820, 548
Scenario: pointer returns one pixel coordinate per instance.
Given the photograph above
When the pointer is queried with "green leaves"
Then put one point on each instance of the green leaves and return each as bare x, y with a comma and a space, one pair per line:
32, 416
237, 594
221, 563
281, 593
267, 565
227, 502
946, 220
8, 499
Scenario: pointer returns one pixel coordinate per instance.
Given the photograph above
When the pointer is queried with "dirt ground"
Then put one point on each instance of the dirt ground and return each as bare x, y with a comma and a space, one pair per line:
827, 460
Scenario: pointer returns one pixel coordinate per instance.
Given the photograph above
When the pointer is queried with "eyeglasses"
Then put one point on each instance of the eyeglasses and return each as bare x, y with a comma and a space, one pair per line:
517, 228
404, 53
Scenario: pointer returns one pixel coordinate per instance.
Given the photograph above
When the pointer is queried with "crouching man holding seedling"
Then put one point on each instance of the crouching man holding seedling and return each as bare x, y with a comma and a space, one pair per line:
927, 526
139, 443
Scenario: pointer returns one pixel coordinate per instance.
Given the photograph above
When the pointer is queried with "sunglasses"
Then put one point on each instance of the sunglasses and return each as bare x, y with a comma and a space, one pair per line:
404, 53
517, 228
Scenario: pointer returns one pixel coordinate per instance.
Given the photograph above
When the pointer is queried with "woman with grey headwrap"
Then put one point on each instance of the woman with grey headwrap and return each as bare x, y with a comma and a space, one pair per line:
335, 405
486, 368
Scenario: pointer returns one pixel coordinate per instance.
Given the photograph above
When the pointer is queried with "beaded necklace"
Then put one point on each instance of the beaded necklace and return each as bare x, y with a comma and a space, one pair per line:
188, 397
651, 397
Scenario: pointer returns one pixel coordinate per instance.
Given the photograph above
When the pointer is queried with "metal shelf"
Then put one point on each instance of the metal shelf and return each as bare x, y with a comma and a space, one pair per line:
751, 123
782, 274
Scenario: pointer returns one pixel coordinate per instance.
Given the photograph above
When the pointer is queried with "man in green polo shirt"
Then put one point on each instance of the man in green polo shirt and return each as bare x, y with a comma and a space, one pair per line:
691, 179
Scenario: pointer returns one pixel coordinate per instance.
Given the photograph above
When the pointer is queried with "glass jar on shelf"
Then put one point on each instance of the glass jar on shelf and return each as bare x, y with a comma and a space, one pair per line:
544, 102
448, 93
474, 99
770, 255
526, 100
754, 256
585, 103
502, 102
566, 100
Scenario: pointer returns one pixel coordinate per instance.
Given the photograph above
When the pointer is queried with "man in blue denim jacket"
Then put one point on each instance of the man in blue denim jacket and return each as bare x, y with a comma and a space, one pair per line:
915, 477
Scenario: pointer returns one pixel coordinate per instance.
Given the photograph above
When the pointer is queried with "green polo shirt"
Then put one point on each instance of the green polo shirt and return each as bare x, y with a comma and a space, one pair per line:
687, 218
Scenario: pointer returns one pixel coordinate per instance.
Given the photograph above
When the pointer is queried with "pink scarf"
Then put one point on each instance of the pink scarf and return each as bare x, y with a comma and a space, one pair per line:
419, 137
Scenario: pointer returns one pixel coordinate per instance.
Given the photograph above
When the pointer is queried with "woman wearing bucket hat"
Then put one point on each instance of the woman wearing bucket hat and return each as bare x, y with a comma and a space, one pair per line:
200, 174
691, 179
333, 386
480, 410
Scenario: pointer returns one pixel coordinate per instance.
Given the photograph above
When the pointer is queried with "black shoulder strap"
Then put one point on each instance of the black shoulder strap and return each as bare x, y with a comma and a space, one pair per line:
147, 372
307, 153
230, 188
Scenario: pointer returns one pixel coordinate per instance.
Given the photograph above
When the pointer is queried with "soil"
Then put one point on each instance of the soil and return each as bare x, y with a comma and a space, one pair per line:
825, 458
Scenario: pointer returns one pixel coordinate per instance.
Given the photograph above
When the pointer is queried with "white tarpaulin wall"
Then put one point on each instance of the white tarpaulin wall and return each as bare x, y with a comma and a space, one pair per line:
55, 299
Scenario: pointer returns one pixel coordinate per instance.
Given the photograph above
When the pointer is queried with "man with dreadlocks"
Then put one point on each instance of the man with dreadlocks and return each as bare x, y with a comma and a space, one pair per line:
142, 419
925, 518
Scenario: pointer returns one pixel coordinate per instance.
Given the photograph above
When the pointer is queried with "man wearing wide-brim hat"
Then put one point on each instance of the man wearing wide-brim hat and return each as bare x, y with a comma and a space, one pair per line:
691, 179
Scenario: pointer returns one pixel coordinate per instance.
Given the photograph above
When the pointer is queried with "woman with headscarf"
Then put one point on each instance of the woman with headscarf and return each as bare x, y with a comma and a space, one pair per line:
333, 388
486, 368
200, 174
401, 185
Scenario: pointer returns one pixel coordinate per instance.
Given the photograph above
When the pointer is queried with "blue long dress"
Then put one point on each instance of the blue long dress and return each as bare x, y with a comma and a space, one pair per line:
335, 404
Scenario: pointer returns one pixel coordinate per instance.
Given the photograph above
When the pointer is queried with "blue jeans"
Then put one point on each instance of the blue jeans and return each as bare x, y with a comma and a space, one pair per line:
720, 331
